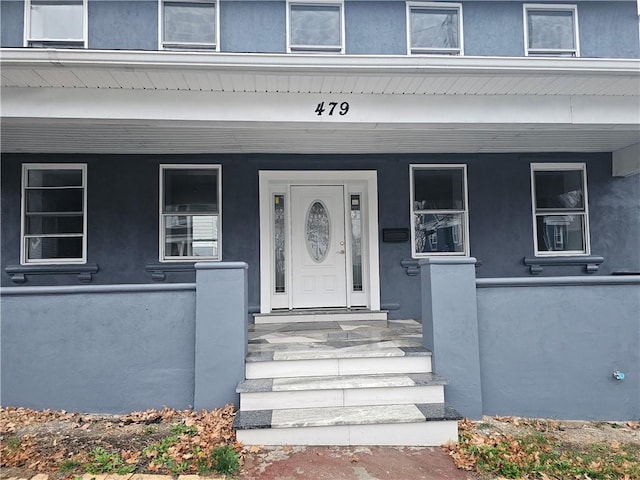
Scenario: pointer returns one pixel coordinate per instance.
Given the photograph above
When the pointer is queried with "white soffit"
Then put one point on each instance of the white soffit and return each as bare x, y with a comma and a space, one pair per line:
194, 102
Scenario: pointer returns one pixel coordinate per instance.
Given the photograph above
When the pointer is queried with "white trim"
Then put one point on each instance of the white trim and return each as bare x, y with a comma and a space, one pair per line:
186, 45
368, 178
161, 244
85, 27
464, 211
542, 7
315, 48
53, 166
567, 166
435, 6
302, 63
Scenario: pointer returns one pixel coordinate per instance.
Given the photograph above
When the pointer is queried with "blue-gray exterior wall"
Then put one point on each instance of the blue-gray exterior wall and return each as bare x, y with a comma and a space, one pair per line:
99, 352
11, 23
551, 350
119, 25
251, 27
608, 29
123, 229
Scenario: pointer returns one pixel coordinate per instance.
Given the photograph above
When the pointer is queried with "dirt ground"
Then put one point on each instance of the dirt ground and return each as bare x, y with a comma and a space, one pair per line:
40, 442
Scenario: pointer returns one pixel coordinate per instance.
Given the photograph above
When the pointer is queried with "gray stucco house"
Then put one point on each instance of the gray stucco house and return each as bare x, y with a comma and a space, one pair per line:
173, 168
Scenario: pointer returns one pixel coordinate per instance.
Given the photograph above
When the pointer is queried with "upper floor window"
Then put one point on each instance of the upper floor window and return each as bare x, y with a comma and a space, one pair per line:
54, 221
560, 212
435, 28
315, 26
56, 23
189, 25
190, 220
551, 30
439, 220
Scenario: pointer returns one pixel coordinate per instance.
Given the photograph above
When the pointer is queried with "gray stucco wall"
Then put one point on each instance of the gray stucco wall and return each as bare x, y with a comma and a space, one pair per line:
265, 20
607, 28
98, 351
123, 229
379, 27
550, 351
11, 23
117, 24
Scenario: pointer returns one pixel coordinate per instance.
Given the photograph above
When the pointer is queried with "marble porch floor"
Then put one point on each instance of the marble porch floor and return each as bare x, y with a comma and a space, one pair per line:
334, 339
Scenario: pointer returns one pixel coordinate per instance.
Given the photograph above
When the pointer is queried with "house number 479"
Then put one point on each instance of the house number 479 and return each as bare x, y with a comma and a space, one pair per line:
343, 108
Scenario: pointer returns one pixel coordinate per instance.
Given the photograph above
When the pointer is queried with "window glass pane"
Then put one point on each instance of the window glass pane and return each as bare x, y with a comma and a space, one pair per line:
193, 190
57, 20
279, 242
561, 232
63, 200
191, 236
439, 233
54, 178
550, 29
39, 248
318, 231
437, 189
189, 22
317, 25
434, 28
356, 243
559, 189
52, 224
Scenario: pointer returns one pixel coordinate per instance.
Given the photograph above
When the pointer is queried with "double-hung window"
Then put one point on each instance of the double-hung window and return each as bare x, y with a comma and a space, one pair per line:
434, 28
189, 25
560, 211
315, 26
190, 212
56, 23
54, 220
551, 30
439, 219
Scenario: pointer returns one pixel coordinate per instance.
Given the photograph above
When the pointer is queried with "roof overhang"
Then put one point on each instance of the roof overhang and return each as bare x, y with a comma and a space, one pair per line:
194, 102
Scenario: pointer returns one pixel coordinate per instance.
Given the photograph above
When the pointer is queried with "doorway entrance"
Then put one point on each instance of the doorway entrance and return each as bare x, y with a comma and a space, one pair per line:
318, 240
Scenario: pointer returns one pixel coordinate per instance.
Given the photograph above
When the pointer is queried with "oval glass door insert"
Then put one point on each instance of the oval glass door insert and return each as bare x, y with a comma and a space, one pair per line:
318, 231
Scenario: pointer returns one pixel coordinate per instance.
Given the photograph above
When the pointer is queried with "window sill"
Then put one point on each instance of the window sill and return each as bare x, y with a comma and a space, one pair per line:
535, 264
413, 266
159, 271
18, 273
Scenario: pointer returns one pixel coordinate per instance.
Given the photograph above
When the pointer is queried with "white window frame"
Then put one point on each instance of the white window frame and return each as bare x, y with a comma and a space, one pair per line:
161, 236
435, 6
552, 52
316, 48
24, 260
162, 45
548, 167
28, 38
464, 211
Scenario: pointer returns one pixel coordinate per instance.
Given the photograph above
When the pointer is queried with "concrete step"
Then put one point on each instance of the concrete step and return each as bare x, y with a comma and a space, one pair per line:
341, 390
413, 424
324, 315
304, 364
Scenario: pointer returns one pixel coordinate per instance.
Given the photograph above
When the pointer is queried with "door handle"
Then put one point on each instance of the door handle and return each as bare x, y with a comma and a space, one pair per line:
341, 252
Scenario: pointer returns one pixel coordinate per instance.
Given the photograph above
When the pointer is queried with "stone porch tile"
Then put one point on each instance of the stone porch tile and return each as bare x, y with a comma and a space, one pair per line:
146, 476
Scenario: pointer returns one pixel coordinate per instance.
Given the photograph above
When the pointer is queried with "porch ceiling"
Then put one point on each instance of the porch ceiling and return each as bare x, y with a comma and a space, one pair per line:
163, 102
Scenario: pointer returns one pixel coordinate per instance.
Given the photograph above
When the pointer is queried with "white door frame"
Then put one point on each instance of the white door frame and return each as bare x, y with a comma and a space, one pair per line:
366, 181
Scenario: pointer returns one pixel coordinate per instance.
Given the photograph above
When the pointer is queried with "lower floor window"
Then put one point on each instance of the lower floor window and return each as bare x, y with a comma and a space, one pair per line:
190, 220
54, 213
560, 213
439, 210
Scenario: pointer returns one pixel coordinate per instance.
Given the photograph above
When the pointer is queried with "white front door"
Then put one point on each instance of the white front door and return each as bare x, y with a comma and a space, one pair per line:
318, 246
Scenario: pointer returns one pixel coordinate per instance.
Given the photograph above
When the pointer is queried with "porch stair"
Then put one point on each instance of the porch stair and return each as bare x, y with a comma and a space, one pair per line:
339, 379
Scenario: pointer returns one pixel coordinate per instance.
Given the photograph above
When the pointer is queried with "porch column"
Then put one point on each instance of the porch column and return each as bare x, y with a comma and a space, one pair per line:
221, 332
450, 329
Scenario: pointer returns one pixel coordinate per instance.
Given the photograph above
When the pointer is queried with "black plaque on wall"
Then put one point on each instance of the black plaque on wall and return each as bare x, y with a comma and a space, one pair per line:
395, 235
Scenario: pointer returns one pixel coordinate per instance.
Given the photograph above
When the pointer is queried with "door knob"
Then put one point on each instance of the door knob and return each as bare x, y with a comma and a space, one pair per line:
341, 252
